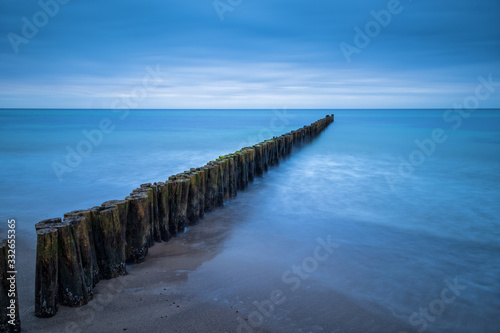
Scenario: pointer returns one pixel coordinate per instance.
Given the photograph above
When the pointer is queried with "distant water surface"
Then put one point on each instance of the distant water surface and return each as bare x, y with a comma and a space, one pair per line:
404, 233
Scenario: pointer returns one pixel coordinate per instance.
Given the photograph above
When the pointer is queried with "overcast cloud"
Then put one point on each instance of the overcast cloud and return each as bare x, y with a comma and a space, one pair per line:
263, 54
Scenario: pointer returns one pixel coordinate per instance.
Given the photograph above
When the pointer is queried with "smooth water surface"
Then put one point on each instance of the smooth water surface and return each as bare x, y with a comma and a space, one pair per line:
410, 219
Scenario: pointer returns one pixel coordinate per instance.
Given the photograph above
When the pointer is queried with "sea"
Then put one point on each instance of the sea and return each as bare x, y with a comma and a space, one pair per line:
409, 198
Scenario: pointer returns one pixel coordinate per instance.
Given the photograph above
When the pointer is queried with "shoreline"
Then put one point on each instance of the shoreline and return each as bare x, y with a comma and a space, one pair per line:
159, 294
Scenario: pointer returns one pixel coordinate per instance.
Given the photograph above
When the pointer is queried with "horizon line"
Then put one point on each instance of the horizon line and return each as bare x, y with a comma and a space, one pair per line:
228, 109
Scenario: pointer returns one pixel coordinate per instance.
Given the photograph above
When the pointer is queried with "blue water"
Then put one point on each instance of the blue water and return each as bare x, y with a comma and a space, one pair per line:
401, 234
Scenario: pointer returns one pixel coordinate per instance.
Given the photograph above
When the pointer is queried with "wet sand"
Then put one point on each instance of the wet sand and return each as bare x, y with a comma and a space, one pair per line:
182, 287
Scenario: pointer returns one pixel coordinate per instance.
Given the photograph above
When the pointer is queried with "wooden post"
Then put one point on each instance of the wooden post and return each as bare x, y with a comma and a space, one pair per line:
46, 271
289, 146
164, 211
223, 162
181, 200
193, 209
112, 238
138, 226
259, 160
265, 155
73, 290
155, 221
60, 275
92, 221
171, 189
233, 188
208, 200
243, 170
250, 158
201, 182
82, 242
211, 189
220, 184
274, 152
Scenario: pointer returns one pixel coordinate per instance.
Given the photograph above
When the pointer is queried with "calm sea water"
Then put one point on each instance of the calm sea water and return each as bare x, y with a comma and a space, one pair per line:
412, 214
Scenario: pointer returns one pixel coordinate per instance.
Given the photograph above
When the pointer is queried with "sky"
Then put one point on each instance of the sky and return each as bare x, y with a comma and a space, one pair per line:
232, 54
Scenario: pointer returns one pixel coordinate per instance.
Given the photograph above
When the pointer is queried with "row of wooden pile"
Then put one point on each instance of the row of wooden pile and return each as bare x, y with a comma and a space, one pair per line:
73, 254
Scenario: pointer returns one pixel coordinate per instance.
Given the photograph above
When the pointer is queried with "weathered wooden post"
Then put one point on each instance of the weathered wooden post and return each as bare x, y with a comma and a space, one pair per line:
47, 269
233, 188
295, 136
9, 303
172, 208
192, 209
282, 152
223, 163
92, 221
281, 146
60, 278
155, 222
112, 238
181, 200
82, 242
250, 159
259, 160
200, 180
178, 208
212, 186
300, 137
164, 211
73, 290
220, 183
270, 153
289, 146
138, 226
241, 167
149, 207
275, 158
208, 201
265, 155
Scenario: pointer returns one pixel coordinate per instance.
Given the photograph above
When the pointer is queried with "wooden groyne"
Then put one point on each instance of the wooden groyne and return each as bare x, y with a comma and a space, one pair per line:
74, 253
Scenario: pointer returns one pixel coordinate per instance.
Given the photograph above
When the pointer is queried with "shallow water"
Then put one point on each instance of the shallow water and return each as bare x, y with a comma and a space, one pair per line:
401, 231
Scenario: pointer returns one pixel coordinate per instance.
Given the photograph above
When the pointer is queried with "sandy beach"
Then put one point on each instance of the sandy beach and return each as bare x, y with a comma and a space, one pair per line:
172, 292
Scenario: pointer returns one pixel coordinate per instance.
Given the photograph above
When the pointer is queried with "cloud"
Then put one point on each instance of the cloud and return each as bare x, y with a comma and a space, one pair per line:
262, 54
